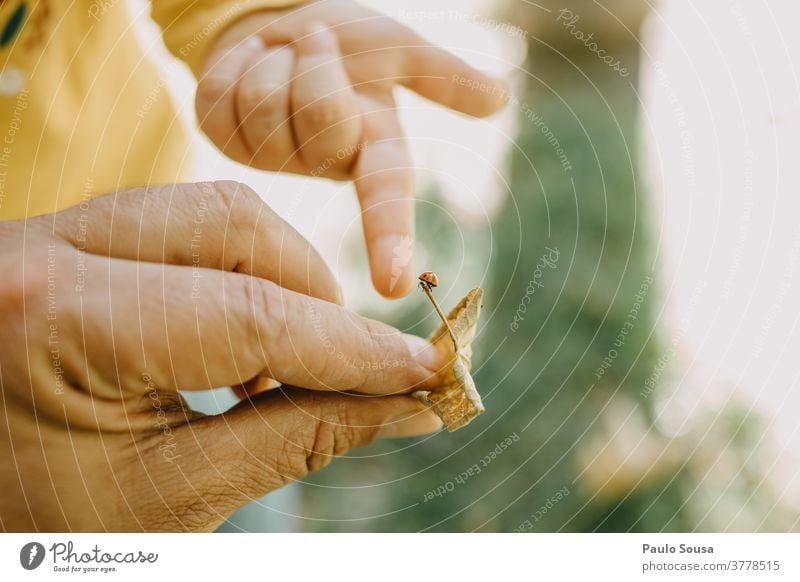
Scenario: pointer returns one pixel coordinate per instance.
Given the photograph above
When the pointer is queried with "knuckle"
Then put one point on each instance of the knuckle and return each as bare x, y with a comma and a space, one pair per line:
235, 194
260, 297
210, 90
327, 112
266, 319
25, 283
216, 118
264, 102
323, 447
241, 205
307, 451
378, 345
15, 291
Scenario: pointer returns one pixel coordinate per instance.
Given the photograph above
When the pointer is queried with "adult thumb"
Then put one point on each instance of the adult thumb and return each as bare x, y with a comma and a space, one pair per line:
219, 463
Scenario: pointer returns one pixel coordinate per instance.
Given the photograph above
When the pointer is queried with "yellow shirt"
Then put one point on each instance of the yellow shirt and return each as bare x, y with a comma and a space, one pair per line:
83, 111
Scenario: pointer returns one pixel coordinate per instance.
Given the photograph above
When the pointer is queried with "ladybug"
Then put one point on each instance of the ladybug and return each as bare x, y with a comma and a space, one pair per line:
429, 278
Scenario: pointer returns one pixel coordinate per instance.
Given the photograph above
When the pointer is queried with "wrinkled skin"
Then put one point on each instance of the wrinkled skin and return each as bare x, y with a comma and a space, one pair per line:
108, 308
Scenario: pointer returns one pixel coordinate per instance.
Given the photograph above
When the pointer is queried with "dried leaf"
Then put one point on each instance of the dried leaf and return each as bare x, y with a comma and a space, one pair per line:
455, 399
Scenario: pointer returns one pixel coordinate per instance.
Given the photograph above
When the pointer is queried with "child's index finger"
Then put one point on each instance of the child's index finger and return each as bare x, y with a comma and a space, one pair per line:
384, 180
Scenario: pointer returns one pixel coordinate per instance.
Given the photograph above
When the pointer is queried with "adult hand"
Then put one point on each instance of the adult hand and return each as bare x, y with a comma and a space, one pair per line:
310, 90
110, 307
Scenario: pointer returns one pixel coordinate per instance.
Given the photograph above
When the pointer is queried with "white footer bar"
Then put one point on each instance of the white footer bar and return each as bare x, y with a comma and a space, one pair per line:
402, 557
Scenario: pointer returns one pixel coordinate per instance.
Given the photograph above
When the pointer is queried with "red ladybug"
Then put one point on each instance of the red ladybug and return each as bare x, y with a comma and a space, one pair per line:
430, 278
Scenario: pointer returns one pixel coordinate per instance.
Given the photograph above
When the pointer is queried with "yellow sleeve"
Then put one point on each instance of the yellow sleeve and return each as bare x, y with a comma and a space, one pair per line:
191, 26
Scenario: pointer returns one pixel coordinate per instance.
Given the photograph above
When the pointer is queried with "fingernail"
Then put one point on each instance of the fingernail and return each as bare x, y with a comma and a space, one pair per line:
410, 424
315, 27
424, 352
253, 42
317, 38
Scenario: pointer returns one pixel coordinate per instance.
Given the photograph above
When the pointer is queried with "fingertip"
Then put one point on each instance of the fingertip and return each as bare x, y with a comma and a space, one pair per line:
500, 100
410, 424
392, 265
391, 287
486, 96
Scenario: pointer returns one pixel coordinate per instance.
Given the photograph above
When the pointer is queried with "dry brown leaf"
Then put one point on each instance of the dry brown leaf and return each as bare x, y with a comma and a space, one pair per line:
455, 399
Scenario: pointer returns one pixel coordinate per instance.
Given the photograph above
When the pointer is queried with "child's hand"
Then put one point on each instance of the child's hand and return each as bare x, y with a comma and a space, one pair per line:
309, 90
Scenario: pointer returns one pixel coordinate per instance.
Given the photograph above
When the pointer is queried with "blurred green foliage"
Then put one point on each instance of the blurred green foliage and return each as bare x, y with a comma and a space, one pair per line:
538, 378
585, 454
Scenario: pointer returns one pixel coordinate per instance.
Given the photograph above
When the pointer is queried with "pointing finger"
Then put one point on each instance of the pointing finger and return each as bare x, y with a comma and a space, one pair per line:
384, 180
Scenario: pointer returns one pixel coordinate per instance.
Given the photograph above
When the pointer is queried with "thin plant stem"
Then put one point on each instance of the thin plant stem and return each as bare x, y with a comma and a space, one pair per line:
429, 292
